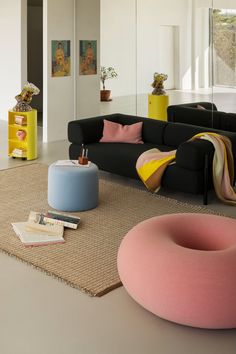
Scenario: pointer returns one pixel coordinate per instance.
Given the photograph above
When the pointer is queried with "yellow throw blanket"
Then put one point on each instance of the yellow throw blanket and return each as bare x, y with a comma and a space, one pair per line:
151, 166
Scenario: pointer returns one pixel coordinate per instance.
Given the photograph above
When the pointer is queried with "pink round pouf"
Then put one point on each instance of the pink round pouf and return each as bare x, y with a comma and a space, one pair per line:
182, 267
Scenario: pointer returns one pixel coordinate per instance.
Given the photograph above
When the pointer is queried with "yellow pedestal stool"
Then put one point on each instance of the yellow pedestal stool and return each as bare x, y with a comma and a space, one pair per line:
157, 106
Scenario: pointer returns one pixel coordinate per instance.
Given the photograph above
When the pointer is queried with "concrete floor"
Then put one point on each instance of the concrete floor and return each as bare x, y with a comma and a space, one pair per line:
40, 315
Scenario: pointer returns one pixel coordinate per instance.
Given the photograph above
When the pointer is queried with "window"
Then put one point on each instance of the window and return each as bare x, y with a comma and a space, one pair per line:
224, 47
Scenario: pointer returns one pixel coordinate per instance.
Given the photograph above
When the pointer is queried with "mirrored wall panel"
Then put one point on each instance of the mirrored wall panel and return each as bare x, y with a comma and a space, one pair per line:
191, 42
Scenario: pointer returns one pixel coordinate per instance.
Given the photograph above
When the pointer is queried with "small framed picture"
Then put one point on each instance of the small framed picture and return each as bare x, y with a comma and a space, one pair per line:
87, 57
61, 58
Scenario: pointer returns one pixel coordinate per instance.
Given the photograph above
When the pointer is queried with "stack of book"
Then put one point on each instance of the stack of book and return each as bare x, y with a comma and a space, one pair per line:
44, 228
19, 152
20, 120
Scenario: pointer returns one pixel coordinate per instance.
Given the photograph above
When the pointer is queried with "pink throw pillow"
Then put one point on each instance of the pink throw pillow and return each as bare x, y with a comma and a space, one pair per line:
118, 133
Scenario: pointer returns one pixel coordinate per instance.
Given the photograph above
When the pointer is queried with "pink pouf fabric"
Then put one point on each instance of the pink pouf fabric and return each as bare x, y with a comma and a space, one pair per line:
182, 267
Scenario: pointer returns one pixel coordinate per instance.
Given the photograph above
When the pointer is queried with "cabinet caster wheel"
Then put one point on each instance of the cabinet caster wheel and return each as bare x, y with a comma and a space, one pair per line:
13, 157
23, 158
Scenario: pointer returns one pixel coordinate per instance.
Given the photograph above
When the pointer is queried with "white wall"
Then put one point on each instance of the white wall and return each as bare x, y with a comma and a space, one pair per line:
201, 48
70, 97
155, 53
118, 44
153, 16
58, 106
224, 4
13, 59
87, 86
167, 55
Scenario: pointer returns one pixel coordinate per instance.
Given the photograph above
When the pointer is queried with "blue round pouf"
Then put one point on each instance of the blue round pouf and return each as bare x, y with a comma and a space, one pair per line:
73, 188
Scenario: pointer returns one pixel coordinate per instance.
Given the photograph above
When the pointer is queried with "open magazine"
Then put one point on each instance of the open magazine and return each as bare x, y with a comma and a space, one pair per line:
31, 236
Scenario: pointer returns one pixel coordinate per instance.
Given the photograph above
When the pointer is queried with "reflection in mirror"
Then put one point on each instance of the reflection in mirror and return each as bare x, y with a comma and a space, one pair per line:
143, 37
176, 43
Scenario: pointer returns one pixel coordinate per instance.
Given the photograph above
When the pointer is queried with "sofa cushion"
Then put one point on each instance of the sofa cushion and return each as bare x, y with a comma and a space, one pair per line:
177, 133
115, 132
153, 129
195, 116
88, 130
119, 158
207, 105
203, 114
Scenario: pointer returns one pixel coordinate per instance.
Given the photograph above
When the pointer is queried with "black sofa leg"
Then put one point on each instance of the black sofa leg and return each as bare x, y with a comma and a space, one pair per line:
205, 196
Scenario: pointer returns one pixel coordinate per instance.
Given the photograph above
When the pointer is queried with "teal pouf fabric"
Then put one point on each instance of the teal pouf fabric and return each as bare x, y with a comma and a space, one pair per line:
73, 188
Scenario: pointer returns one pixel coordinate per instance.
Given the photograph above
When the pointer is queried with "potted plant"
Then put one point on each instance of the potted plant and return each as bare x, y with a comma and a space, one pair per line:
106, 73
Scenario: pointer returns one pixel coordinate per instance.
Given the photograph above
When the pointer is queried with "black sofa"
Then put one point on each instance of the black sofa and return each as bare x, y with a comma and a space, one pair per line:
191, 172
209, 117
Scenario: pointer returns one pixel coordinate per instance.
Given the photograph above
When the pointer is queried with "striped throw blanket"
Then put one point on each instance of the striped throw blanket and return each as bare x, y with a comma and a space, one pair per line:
151, 166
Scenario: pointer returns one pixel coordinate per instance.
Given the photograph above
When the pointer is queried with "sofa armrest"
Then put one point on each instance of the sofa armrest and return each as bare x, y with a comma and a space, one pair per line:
191, 154
88, 130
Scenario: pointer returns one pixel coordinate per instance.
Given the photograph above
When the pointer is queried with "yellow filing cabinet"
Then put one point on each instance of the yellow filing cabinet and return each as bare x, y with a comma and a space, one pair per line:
157, 106
22, 134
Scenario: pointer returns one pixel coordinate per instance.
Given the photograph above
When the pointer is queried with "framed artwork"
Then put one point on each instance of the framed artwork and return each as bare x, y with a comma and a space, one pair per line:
61, 59
87, 57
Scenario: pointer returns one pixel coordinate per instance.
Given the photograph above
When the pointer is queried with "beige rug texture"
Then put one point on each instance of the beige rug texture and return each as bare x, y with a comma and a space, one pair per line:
87, 261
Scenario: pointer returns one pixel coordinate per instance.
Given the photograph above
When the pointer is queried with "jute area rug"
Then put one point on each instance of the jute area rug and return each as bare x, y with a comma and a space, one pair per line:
87, 261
